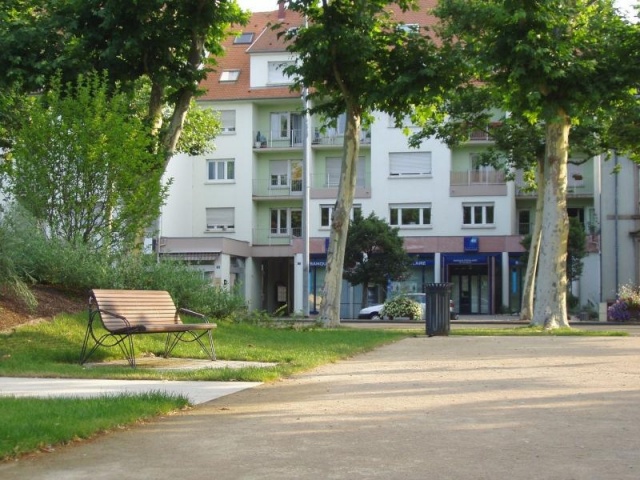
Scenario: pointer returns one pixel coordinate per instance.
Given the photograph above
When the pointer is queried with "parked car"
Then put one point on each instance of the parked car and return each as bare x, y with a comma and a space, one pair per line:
376, 312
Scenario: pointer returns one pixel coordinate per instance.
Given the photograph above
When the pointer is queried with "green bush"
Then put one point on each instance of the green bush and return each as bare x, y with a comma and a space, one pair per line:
29, 256
402, 307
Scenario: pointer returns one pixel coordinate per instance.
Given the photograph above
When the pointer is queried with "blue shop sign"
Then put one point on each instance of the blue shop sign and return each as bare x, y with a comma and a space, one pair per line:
465, 259
471, 244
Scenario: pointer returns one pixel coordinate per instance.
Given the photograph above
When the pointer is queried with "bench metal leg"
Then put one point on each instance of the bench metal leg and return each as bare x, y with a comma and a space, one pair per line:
125, 342
126, 345
173, 339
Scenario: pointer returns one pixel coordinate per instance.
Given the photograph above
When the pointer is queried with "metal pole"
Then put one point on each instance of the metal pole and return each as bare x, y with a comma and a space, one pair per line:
306, 172
615, 233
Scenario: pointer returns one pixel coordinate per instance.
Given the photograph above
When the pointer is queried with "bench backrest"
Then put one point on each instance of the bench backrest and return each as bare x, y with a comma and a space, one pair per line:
139, 307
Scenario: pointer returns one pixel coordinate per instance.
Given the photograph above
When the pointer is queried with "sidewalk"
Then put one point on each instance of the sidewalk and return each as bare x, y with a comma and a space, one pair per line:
438, 408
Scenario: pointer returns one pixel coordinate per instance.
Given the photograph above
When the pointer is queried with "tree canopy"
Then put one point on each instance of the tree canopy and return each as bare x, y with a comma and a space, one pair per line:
83, 165
172, 44
557, 64
374, 253
349, 54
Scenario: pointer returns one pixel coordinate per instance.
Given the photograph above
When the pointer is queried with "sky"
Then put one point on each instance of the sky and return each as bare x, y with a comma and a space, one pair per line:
269, 5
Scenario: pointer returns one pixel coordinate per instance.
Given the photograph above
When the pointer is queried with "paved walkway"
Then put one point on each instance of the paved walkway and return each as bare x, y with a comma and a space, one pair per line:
438, 408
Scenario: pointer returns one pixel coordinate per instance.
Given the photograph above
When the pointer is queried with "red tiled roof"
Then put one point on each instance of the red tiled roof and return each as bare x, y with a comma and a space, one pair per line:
237, 56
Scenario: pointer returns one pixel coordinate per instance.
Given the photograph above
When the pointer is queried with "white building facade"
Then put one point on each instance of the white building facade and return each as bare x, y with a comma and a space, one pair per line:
239, 213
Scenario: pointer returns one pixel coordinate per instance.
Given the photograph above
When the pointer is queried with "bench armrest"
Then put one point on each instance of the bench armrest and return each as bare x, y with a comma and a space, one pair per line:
193, 314
115, 315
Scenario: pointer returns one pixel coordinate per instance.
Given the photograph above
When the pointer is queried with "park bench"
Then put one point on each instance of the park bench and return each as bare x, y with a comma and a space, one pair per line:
115, 316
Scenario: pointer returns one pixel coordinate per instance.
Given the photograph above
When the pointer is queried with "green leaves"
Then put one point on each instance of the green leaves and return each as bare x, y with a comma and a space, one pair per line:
374, 252
83, 164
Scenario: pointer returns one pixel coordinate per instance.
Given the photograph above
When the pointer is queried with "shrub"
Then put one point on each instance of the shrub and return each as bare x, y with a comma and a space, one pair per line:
27, 255
402, 307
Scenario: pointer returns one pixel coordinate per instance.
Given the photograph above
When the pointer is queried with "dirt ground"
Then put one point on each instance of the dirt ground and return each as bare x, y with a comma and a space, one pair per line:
51, 302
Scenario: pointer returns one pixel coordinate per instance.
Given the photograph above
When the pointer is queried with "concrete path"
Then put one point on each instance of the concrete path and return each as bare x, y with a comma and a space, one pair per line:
565, 408
196, 392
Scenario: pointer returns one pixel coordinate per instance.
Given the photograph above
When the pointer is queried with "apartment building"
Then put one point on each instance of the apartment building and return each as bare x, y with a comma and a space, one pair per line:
618, 225
240, 212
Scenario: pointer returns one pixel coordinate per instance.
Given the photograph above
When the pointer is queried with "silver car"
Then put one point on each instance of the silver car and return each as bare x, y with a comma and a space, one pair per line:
376, 312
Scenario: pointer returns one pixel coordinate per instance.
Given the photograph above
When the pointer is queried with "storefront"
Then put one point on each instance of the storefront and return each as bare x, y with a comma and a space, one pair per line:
476, 279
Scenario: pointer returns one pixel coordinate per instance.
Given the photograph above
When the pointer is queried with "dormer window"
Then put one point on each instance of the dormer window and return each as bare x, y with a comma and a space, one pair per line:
409, 28
229, 75
243, 38
277, 74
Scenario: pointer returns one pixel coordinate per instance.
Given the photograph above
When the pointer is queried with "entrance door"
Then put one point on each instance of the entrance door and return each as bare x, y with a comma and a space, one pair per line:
470, 288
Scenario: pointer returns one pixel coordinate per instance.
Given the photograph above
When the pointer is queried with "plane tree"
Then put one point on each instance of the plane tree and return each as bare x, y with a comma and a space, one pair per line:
349, 54
556, 64
172, 45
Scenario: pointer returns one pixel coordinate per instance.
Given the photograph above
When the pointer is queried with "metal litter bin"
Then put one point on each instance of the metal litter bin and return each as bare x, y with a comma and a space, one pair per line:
437, 319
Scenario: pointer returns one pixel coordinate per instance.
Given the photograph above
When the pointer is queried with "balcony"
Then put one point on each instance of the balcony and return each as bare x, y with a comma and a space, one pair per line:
326, 186
472, 183
265, 189
331, 138
288, 140
480, 136
576, 188
276, 236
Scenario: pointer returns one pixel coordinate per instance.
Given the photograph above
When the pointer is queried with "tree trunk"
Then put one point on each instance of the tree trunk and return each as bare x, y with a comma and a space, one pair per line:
176, 124
526, 310
332, 289
550, 309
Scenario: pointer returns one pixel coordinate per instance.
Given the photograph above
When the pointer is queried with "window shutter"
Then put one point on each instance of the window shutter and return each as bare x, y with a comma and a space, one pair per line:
334, 166
228, 119
220, 218
410, 163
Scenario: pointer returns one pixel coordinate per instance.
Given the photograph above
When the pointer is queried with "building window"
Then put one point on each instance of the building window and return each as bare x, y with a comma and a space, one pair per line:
406, 215
276, 74
326, 212
218, 170
409, 163
577, 213
286, 221
286, 174
228, 121
477, 214
286, 126
243, 38
220, 219
333, 169
524, 222
280, 125
229, 75
409, 28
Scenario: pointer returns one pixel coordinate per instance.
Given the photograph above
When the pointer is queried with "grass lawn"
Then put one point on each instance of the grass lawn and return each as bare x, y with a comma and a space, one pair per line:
52, 349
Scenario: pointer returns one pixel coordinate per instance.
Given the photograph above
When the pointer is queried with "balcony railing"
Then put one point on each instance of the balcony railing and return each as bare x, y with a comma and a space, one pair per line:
332, 181
265, 188
480, 136
478, 177
333, 138
276, 236
278, 139
295, 138
574, 189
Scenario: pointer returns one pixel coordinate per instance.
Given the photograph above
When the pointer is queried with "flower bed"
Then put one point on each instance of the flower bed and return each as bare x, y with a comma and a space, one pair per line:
627, 306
